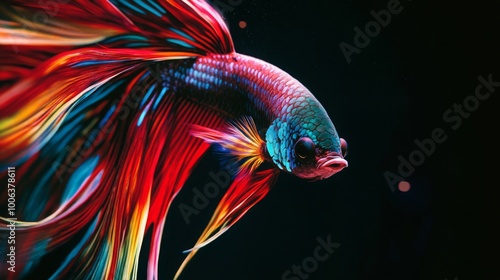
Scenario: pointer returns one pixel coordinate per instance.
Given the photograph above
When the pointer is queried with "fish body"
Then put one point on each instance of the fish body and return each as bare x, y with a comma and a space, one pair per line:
236, 85
107, 107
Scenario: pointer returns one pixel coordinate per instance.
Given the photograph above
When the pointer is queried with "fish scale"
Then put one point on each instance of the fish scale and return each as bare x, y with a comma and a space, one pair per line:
221, 81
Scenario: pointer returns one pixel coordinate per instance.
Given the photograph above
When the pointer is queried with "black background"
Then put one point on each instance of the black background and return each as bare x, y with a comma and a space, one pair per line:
393, 92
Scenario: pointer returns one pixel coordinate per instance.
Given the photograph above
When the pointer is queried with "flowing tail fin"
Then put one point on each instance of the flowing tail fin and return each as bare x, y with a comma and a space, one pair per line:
94, 137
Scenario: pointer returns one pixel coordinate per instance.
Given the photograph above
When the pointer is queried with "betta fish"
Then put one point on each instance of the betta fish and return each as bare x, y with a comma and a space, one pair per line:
106, 107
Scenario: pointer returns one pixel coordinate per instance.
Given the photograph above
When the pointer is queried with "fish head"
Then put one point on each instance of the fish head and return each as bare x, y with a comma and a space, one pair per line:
304, 141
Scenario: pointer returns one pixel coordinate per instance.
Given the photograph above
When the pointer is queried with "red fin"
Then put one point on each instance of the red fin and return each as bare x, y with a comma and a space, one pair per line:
50, 79
194, 22
54, 87
141, 174
176, 166
189, 26
247, 190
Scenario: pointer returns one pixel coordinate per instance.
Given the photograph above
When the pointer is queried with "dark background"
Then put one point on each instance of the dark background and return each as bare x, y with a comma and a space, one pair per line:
393, 92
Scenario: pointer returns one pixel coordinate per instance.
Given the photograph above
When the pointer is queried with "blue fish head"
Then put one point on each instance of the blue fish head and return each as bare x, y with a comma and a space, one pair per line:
303, 140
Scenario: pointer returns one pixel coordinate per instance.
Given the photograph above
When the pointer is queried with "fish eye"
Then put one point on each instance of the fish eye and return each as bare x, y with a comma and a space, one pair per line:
344, 147
305, 149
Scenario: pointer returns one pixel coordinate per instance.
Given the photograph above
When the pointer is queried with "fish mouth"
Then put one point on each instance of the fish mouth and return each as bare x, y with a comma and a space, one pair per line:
333, 161
326, 167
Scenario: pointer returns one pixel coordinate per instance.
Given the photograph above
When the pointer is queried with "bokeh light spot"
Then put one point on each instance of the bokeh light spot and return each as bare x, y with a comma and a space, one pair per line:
404, 186
242, 24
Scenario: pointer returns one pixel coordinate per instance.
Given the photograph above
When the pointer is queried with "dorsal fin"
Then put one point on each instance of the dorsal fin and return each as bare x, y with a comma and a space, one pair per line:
163, 26
192, 24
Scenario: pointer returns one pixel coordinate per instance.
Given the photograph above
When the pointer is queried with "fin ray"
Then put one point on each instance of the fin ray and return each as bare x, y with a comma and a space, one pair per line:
248, 189
239, 139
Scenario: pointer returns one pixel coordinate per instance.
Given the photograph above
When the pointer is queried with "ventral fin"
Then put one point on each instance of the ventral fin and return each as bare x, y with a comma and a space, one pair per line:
247, 189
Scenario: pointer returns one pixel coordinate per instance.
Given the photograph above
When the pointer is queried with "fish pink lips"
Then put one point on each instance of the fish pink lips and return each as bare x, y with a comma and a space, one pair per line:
332, 163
